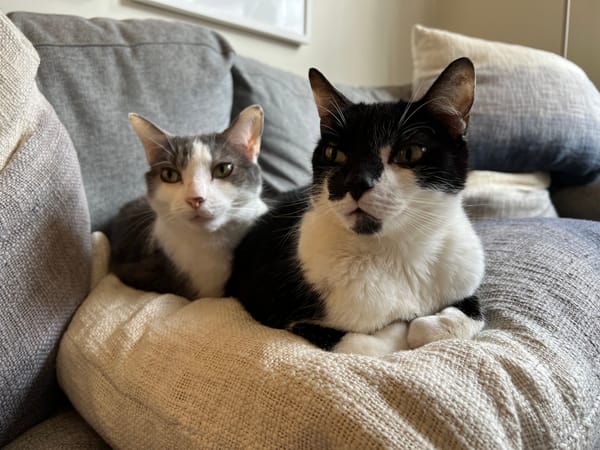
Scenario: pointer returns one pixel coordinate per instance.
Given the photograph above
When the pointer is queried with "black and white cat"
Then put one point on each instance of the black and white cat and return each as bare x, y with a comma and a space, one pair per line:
203, 193
377, 255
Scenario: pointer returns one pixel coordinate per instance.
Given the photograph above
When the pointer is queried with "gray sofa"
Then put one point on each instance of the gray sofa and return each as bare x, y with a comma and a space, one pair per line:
60, 183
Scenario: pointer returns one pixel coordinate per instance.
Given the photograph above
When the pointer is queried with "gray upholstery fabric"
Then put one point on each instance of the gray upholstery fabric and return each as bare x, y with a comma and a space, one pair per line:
94, 72
542, 284
65, 430
45, 261
291, 120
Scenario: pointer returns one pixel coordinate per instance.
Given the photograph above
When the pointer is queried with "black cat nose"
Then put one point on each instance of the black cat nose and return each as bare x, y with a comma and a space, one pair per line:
357, 184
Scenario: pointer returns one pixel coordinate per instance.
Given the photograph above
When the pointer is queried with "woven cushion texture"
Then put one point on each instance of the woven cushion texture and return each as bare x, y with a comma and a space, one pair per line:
18, 91
157, 371
533, 110
96, 71
45, 253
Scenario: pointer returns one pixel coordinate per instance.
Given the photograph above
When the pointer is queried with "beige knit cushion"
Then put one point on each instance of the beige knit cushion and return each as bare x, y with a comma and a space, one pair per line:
156, 371
500, 195
19, 94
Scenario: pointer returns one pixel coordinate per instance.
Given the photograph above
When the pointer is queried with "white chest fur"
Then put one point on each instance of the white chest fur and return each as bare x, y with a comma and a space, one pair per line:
368, 281
202, 257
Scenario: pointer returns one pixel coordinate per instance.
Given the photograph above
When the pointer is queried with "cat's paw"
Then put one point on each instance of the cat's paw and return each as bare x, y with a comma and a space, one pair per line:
389, 339
450, 323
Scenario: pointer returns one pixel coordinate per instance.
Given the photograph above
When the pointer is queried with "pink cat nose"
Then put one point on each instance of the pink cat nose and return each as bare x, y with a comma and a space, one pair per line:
195, 202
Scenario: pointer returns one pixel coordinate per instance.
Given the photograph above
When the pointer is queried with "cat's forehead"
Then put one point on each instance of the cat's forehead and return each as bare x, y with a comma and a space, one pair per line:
376, 124
200, 150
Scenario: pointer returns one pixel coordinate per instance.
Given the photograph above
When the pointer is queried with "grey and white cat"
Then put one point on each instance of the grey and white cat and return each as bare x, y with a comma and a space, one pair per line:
203, 193
377, 254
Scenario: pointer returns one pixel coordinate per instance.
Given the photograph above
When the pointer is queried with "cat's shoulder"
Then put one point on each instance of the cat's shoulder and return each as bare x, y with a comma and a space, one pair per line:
130, 229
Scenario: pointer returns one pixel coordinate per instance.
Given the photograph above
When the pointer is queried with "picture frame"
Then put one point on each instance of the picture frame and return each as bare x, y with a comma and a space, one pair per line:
287, 20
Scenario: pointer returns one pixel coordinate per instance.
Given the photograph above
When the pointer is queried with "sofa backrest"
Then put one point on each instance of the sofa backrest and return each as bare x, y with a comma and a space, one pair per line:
95, 71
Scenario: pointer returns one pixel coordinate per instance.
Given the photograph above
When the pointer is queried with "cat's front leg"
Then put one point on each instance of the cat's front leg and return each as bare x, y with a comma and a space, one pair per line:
463, 320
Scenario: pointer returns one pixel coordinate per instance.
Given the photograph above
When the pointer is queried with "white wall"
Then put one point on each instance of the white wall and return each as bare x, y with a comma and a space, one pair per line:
353, 41
584, 38
534, 23
368, 41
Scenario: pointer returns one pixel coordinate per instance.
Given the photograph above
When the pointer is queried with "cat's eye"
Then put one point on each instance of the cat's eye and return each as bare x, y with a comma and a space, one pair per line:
222, 170
334, 155
409, 154
169, 175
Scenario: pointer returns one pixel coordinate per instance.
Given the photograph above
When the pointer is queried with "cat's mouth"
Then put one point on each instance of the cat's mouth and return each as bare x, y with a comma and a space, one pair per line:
360, 213
201, 218
364, 223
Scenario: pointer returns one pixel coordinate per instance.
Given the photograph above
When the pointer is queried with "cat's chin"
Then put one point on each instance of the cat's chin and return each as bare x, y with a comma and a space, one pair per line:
362, 222
201, 220
205, 222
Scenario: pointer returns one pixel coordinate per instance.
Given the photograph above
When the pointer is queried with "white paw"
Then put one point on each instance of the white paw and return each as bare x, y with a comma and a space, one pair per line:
450, 323
100, 257
389, 339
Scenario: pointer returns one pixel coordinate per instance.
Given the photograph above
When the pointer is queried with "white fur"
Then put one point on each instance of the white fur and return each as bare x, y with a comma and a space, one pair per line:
450, 323
201, 242
426, 256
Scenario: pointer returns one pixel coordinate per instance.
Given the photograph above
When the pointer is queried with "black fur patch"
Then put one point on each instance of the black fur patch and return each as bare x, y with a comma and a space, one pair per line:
471, 307
323, 337
266, 275
366, 224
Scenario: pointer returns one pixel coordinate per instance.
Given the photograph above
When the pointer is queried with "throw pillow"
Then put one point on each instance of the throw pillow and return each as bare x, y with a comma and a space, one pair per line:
157, 371
533, 110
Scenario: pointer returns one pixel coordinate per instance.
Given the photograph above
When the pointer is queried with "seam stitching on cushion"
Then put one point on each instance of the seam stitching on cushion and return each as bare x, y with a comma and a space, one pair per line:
139, 44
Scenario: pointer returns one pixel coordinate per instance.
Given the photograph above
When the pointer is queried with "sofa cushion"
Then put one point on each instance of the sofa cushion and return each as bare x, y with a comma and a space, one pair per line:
533, 110
64, 430
45, 253
95, 71
291, 121
157, 371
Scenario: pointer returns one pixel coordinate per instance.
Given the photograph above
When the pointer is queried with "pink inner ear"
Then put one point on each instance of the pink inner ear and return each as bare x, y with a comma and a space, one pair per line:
251, 146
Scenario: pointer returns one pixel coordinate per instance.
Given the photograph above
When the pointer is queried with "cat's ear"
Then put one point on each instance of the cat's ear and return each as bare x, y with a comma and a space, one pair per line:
154, 140
246, 130
330, 102
451, 96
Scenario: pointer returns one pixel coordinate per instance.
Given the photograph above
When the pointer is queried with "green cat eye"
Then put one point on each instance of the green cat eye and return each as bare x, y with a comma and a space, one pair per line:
169, 175
222, 170
409, 154
332, 154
